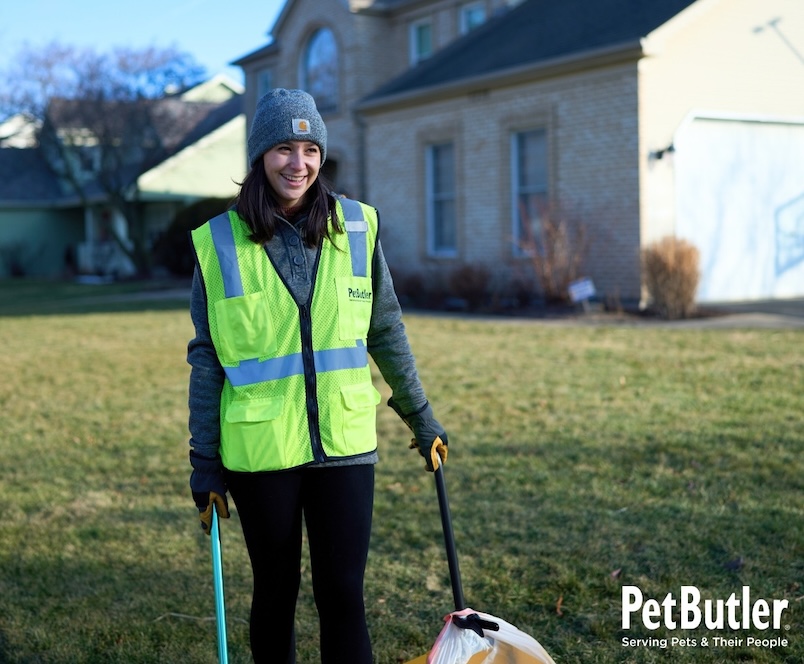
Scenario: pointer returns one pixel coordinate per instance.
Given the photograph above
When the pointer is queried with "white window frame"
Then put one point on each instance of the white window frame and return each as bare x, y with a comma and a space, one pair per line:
467, 10
416, 55
517, 189
433, 197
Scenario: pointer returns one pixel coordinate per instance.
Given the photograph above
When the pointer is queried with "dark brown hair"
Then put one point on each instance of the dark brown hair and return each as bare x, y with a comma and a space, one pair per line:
257, 206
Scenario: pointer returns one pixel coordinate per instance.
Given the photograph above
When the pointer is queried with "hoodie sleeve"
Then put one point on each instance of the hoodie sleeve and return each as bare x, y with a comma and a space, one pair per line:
388, 342
206, 378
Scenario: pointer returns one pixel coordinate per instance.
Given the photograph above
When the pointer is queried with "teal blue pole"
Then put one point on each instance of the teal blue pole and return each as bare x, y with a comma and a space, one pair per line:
217, 572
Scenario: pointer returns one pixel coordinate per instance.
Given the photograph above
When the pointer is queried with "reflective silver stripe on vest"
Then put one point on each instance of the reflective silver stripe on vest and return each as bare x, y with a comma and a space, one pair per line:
356, 228
254, 371
223, 239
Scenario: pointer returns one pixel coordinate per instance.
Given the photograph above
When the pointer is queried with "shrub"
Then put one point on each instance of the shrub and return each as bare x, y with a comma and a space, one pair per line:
556, 251
470, 283
671, 271
419, 289
172, 250
16, 258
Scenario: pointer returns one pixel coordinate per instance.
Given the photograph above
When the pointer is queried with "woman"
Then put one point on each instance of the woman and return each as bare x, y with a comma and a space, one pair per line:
291, 294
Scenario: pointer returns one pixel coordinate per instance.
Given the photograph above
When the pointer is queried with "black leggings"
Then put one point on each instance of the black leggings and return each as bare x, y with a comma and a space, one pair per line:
337, 503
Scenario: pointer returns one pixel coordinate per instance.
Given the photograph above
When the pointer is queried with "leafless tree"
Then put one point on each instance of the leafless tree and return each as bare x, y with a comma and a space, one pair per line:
103, 119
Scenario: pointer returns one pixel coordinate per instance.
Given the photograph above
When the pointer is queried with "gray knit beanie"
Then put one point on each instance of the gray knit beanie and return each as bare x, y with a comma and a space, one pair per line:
285, 115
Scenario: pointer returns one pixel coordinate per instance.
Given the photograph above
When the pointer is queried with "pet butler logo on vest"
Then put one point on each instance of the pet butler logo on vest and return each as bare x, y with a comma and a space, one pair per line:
689, 612
359, 294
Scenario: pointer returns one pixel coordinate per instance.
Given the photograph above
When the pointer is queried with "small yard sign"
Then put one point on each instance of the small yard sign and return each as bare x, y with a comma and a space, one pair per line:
581, 290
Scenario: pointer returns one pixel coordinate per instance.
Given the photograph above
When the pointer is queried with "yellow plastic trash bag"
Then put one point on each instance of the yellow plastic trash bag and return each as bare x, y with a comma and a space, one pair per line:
505, 645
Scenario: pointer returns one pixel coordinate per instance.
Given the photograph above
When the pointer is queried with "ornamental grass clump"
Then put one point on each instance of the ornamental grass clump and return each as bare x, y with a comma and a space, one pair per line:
672, 273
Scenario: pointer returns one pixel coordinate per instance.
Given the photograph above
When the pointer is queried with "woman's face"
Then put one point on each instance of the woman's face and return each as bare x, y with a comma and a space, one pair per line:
291, 168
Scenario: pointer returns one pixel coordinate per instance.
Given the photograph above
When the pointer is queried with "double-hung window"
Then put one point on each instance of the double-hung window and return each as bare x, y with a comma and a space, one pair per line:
421, 40
528, 185
442, 234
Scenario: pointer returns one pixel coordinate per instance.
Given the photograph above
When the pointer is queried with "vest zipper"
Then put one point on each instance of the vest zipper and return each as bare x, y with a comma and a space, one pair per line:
310, 385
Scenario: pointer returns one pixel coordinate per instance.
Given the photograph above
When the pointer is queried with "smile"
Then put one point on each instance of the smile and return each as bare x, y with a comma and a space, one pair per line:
296, 179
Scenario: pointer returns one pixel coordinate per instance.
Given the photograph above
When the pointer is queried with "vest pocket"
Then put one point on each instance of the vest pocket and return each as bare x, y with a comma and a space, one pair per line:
354, 306
353, 418
253, 435
245, 328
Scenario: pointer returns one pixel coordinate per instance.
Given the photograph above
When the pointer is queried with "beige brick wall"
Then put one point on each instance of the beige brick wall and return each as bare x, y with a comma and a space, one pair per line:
590, 120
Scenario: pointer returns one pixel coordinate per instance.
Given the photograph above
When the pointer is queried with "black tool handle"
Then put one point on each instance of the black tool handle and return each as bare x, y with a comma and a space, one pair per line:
449, 539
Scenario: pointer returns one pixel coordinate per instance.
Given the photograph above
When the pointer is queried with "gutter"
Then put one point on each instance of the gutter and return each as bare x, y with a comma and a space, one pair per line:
580, 61
260, 53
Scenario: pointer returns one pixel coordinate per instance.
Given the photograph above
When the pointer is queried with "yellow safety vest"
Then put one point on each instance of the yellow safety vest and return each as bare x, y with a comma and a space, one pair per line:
298, 385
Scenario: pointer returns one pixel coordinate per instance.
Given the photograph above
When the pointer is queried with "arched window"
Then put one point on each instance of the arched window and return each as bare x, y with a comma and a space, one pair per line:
320, 69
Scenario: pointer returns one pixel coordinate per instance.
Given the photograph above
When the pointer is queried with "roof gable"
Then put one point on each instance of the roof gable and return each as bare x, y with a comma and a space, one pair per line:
536, 31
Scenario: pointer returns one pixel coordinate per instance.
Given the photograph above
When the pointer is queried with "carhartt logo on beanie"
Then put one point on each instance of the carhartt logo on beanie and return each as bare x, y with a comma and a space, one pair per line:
285, 115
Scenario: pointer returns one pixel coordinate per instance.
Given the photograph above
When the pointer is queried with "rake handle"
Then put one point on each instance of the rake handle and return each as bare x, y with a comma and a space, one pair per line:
217, 579
449, 539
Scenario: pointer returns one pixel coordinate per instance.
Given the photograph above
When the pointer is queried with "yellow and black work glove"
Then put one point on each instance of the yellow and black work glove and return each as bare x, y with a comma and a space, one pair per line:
209, 488
429, 436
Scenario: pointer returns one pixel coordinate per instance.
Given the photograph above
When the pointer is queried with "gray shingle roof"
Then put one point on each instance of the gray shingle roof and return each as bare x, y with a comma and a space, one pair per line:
25, 178
536, 30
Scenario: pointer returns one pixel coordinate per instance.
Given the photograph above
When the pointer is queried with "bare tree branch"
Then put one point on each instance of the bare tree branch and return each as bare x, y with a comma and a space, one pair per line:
104, 119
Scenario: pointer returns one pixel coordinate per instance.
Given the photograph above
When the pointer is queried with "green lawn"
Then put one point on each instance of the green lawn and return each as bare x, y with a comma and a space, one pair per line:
583, 459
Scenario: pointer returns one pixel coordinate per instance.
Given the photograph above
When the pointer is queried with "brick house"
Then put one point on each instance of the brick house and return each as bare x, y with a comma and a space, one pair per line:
462, 122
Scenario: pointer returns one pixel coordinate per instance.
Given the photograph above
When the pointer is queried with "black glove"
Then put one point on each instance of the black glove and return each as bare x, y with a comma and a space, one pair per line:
209, 488
429, 436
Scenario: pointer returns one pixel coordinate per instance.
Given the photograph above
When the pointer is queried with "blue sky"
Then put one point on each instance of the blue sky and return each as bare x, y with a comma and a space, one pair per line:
215, 32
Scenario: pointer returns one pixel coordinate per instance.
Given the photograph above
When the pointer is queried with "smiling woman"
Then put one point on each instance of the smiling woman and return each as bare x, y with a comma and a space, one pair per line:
291, 296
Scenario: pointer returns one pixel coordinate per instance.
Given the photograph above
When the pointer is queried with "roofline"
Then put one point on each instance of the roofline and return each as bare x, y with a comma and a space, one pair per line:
188, 152
600, 57
236, 87
261, 52
382, 10
281, 16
